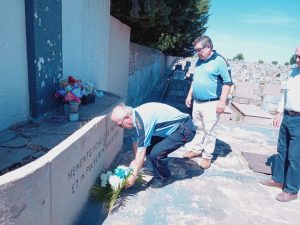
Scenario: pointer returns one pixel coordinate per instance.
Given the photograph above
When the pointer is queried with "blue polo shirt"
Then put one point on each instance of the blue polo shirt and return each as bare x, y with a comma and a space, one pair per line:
155, 119
209, 77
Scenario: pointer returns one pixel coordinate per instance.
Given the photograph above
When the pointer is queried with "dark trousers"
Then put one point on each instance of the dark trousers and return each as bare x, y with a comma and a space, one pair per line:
286, 168
160, 148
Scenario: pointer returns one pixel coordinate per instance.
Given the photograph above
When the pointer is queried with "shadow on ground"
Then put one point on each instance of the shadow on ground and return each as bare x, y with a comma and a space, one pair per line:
222, 149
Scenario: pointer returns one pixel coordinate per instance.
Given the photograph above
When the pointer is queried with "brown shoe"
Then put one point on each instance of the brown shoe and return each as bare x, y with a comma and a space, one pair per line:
271, 183
205, 163
191, 154
286, 197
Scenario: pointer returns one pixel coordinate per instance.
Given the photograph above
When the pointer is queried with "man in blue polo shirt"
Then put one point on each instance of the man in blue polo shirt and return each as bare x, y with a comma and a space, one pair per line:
209, 91
170, 127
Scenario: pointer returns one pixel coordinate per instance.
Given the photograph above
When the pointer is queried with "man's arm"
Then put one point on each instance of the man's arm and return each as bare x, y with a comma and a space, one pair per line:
134, 147
188, 100
223, 98
280, 109
277, 119
137, 164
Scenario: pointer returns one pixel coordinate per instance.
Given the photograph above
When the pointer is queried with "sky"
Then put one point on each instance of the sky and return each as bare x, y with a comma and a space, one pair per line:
267, 30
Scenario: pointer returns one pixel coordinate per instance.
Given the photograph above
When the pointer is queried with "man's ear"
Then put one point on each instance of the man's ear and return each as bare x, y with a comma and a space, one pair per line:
129, 117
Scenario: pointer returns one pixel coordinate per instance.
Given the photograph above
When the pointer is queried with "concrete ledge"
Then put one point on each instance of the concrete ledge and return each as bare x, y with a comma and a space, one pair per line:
54, 188
250, 114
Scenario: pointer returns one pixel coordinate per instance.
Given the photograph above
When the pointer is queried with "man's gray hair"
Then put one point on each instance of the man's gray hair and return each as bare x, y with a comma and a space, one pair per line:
204, 40
120, 111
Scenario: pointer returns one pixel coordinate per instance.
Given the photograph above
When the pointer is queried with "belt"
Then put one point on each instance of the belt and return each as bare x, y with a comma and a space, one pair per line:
207, 100
291, 113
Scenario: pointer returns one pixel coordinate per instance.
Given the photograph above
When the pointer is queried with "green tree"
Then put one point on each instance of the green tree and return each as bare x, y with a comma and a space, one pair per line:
260, 61
168, 25
239, 56
274, 62
286, 63
293, 59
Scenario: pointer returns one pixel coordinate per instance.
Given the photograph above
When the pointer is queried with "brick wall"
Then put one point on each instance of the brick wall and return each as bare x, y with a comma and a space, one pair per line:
146, 69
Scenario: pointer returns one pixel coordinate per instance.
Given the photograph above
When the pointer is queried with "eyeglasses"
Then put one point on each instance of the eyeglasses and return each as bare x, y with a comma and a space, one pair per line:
297, 56
199, 49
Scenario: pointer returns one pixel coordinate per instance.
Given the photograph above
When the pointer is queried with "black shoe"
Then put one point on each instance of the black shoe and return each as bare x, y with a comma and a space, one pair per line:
146, 171
159, 183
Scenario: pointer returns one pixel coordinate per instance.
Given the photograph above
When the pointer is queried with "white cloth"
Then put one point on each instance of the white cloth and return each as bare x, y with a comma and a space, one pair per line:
290, 99
205, 118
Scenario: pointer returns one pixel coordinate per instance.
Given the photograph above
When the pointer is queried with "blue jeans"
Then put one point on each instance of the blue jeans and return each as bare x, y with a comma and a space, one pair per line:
161, 147
286, 169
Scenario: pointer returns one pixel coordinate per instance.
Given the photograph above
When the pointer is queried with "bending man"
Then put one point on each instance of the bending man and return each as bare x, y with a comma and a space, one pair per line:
160, 129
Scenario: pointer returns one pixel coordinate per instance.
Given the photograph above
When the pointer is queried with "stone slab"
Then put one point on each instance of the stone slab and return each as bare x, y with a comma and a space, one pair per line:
251, 110
16, 142
27, 139
259, 163
250, 114
10, 157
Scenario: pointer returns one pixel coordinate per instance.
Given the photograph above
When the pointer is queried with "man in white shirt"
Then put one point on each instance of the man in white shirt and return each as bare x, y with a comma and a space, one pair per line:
286, 168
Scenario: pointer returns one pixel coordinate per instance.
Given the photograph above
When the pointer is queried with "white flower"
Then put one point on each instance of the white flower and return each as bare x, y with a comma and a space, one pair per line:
115, 182
108, 173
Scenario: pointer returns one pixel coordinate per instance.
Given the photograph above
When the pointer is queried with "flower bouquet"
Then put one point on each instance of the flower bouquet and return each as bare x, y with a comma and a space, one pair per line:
74, 90
111, 185
70, 90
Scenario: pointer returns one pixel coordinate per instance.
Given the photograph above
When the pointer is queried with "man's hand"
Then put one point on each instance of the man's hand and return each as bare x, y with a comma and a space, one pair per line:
188, 101
220, 107
136, 164
130, 181
277, 120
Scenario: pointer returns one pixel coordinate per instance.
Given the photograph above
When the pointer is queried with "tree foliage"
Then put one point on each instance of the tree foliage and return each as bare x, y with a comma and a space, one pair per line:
274, 62
168, 25
293, 59
260, 61
239, 56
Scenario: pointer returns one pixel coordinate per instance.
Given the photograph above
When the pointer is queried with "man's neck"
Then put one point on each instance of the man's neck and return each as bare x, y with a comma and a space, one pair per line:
212, 52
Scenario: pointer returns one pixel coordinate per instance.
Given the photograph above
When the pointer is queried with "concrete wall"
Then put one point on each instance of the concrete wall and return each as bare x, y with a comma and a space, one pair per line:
85, 40
170, 61
146, 68
53, 189
14, 94
118, 63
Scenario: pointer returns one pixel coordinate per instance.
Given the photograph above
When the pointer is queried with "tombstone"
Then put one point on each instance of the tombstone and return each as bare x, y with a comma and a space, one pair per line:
244, 91
272, 89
